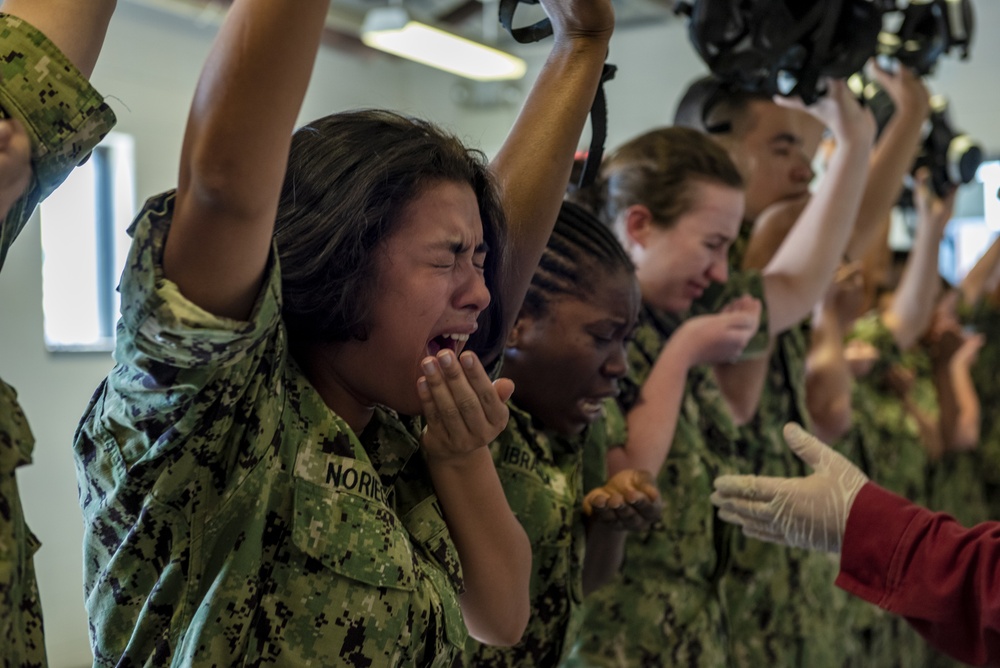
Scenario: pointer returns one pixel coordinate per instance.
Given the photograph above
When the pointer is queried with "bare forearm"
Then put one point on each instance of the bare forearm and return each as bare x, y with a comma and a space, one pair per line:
653, 420
742, 385
76, 27
984, 276
963, 435
801, 270
828, 381
913, 302
534, 164
235, 150
491, 544
892, 158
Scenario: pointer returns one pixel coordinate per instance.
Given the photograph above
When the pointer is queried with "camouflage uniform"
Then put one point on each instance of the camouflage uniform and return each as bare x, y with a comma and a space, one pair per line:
780, 602
231, 517
888, 443
782, 607
954, 483
986, 319
664, 608
543, 478
64, 118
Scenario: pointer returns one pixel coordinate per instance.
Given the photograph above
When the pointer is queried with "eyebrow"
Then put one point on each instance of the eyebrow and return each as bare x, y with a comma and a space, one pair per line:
786, 138
458, 247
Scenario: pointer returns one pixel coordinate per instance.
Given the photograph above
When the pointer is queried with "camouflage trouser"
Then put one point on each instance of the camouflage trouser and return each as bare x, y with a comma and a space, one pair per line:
665, 622
22, 641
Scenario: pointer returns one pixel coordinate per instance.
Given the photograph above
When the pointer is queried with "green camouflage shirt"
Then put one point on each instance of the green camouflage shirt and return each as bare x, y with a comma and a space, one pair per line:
886, 441
64, 118
664, 607
543, 478
986, 319
231, 517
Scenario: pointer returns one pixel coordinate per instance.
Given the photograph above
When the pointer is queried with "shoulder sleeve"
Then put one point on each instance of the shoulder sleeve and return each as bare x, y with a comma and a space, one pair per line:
179, 367
64, 116
159, 324
928, 568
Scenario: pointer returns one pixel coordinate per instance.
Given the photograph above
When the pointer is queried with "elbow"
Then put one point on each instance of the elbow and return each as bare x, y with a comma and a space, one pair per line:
501, 630
965, 438
510, 634
742, 413
833, 424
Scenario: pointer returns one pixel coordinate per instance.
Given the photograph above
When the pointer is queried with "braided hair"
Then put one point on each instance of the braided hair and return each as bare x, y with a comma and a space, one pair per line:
582, 251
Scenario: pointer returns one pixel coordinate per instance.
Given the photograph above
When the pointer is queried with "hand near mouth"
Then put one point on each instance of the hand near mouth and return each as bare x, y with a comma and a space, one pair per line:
464, 410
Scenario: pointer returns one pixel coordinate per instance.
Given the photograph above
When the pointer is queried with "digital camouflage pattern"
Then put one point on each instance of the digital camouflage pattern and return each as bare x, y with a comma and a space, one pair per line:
543, 479
886, 434
664, 608
782, 608
985, 318
65, 118
953, 482
231, 517
887, 441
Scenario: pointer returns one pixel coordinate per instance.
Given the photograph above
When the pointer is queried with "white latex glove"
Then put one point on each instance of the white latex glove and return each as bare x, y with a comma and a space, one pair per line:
808, 512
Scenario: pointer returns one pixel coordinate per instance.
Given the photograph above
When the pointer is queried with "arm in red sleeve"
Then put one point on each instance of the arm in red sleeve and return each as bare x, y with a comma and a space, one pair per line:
943, 578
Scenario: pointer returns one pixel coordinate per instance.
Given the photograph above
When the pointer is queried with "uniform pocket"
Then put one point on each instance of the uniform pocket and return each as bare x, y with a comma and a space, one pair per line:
355, 537
426, 525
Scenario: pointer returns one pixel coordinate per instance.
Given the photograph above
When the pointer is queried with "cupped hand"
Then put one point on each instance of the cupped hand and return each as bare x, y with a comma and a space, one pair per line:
463, 409
628, 501
721, 337
840, 111
905, 88
580, 19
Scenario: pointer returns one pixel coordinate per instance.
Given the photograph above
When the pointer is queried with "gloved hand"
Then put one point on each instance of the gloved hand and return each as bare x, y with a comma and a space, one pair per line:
808, 512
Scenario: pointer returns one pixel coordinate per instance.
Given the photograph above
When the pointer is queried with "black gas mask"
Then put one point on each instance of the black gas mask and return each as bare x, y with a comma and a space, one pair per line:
784, 47
927, 30
951, 156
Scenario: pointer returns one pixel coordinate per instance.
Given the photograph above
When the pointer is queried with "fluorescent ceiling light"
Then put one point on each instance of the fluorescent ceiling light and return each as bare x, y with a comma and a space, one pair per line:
390, 29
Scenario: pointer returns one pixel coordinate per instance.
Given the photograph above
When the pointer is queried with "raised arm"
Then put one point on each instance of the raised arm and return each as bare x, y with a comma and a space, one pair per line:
984, 277
798, 275
533, 166
77, 28
893, 156
952, 358
235, 151
912, 305
829, 379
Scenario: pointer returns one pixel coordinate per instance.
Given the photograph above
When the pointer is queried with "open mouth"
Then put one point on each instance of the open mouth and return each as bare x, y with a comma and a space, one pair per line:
454, 342
593, 407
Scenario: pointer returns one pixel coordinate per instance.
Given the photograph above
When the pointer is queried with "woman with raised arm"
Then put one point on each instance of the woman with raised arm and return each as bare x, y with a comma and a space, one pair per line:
50, 119
247, 481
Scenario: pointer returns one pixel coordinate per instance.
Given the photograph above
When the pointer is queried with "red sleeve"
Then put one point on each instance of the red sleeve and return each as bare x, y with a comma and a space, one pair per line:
943, 578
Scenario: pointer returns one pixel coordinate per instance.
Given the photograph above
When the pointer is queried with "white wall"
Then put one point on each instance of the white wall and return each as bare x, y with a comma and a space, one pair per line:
148, 70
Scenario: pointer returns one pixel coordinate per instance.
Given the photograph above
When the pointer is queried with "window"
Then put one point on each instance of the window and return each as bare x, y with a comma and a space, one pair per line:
973, 228
84, 246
